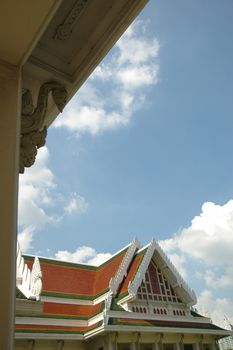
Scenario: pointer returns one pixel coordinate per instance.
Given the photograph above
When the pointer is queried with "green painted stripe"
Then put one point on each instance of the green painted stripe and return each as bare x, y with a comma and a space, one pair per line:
58, 330
62, 317
73, 296
76, 265
62, 263
155, 324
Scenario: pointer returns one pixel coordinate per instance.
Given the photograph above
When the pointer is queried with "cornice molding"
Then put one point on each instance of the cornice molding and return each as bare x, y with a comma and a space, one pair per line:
33, 130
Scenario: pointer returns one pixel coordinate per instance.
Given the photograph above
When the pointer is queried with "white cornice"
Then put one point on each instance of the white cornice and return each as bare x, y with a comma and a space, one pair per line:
42, 321
147, 316
101, 298
47, 336
151, 329
122, 270
71, 301
66, 301
94, 332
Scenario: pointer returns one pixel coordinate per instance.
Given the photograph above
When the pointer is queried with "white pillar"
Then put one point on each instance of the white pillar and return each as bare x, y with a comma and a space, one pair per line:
135, 346
112, 345
10, 91
155, 346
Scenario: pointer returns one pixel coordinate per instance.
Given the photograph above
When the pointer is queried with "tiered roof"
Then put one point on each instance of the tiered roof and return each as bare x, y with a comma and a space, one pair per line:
79, 300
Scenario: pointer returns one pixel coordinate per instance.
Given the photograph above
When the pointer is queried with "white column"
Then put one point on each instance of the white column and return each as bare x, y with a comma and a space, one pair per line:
155, 346
10, 91
135, 346
112, 345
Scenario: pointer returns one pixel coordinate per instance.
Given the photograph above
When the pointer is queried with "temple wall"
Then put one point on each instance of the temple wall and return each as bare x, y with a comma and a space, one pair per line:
50, 345
123, 341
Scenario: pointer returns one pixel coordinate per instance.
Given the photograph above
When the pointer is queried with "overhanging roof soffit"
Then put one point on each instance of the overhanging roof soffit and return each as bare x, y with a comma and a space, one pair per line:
75, 41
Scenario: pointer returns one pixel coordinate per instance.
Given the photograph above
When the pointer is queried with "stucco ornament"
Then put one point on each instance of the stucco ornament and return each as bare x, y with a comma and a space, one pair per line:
33, 131
36, 279
64, 30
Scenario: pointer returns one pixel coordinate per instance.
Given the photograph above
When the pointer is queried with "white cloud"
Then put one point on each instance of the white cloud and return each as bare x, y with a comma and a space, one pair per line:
25, 238
210, 236
216, 308
135, 47
209, 239
208, 243
86, 255
77, 204
37, 191
116, 88
34, 191
134, 77
214, 280
179, 262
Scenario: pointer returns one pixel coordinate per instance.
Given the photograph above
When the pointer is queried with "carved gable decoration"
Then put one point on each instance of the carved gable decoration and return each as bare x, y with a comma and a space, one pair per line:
156, 287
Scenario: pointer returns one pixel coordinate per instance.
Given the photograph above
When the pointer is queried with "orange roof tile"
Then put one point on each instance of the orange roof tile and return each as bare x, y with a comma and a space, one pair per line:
69, 310
71, 280
131, 272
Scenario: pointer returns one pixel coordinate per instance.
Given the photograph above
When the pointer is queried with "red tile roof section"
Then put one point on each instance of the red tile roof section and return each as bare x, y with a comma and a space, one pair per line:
131, 272
57, 309
105, 273
76, 279
67, 279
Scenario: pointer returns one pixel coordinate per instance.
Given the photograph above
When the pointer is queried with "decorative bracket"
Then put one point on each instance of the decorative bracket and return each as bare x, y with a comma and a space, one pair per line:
33, 131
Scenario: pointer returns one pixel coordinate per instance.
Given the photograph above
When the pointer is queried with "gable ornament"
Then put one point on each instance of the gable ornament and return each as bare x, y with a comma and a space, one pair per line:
33, 131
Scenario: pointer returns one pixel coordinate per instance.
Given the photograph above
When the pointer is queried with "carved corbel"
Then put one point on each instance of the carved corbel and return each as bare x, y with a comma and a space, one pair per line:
31, 344
33, 131
60, 344
181, 342
201, 342
160, 342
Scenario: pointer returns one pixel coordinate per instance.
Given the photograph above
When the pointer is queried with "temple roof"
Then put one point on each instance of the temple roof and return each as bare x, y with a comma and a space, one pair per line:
81, 300
77, 281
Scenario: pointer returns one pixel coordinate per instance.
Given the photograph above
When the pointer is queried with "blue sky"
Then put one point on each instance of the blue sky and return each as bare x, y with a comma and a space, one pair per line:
145, 149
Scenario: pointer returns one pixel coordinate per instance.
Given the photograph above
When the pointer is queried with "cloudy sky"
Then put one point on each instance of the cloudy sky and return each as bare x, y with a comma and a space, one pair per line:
145, 149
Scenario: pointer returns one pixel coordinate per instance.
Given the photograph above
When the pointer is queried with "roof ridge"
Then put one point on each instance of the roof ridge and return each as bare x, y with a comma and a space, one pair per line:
140, 274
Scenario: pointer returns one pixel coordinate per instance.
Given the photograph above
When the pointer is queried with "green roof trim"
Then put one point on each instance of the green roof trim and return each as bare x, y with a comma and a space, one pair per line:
195, 314
61, 263
73, 296
124, 294
58, 331
75, 265
19, 294
159, 324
